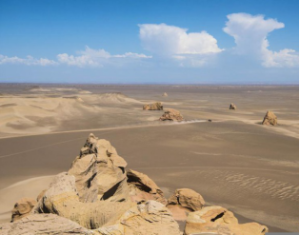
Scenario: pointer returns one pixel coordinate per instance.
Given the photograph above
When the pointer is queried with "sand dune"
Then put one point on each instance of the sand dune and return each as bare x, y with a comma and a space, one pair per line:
233, 161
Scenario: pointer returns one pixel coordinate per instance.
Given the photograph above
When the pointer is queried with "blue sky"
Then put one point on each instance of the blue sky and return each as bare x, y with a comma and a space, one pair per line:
192, 41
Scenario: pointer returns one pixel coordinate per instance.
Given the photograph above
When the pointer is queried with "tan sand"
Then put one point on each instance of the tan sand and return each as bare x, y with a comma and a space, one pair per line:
232, 161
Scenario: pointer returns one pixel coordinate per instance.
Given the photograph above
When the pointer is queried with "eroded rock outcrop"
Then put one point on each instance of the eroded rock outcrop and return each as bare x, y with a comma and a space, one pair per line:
154, 106
171, 115
232, 106
187, 198
99, 196
270, 119
221, 221
144, 188
165, 94
22, 208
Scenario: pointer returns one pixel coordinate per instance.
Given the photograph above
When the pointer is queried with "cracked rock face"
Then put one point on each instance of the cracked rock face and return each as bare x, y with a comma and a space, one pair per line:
99, 196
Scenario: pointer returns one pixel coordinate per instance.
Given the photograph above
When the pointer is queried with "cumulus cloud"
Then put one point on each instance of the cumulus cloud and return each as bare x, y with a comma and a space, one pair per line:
174, 42
29, 60
250, 35
95, 58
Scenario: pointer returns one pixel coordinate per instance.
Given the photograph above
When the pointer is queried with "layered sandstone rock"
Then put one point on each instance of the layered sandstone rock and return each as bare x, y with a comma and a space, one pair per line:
187, 198
232, 106
144, 188
98, 196
172, 115
221, 221
22, 208
154, 106
270, 119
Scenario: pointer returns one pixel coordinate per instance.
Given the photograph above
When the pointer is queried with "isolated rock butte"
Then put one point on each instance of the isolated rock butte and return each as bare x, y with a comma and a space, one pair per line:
97, 196
270, 119
154, 106
172, 115
232, 106
165, 94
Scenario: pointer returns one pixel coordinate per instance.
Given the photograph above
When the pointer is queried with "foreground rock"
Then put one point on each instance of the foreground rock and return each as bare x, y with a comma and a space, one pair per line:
99, 196
270, 119
172, 115
187, 198
232, 106
154, 106
22, 208
144, 188
215, 219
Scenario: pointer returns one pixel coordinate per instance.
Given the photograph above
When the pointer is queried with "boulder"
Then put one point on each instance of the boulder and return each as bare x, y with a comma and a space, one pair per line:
219, 220
187, 198
270, 119
154, 106
144, 188
22, 208
165, 94
172, 115
232, 106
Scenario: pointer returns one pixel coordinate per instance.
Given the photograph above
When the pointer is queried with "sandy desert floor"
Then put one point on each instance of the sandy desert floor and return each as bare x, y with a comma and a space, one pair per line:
232, 161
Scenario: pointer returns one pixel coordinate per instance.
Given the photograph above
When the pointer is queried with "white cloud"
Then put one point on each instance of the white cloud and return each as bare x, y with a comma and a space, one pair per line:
174, 42
95, 58
250, 35
29, 60
171, 40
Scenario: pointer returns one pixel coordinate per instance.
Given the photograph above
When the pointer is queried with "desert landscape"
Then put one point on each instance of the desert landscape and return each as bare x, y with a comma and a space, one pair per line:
226, 155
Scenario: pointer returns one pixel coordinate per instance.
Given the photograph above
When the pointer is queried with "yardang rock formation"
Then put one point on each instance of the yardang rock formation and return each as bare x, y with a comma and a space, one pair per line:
99, 196
270, 119
154, 106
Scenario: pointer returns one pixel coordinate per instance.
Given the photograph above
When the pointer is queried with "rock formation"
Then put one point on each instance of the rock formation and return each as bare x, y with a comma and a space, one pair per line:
187, 198
216, 219
99, 196
270, 119
165, 94
232, 106
154, 106
22, 208
172, 115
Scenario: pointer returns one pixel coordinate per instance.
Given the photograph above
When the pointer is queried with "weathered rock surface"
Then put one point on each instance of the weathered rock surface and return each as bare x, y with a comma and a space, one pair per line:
146, 218
144, 188
165, 94
154, 106
187, 198
22, 208
270, 119
43, 224
171, 115
98, 196
221, 221
232, 106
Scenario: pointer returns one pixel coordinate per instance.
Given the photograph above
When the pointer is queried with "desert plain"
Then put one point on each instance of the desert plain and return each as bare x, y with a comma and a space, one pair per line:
232, 160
